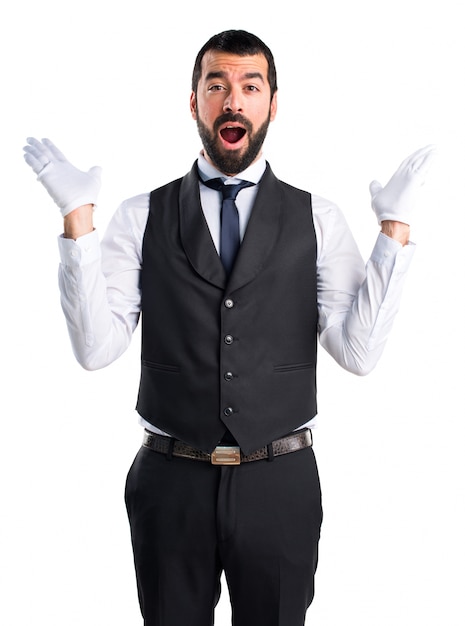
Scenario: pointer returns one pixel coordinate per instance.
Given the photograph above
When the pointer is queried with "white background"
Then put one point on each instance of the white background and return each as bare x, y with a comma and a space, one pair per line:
362, 84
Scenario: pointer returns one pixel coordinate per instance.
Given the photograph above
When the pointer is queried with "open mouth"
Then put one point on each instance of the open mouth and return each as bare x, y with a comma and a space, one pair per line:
232, 134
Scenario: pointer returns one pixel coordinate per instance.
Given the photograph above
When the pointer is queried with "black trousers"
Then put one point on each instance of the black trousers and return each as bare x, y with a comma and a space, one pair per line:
259, 522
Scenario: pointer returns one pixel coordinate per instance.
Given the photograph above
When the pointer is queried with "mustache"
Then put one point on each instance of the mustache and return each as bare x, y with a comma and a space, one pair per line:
232, 117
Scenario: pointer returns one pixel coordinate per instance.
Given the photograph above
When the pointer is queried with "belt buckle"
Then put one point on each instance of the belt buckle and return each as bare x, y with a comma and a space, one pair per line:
226, 455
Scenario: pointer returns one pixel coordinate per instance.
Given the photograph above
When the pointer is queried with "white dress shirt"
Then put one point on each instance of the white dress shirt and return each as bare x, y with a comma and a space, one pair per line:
100, 295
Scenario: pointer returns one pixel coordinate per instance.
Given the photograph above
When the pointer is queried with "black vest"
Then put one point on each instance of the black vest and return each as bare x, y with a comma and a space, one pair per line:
237, 354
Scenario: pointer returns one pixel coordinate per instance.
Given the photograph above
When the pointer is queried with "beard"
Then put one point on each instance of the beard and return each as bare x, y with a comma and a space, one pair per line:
232, 162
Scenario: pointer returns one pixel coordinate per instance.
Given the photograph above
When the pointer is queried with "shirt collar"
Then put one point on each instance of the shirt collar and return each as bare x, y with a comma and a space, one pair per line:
253, 173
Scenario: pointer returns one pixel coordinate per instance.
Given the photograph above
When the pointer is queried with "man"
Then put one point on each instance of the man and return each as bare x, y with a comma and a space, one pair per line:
226, 479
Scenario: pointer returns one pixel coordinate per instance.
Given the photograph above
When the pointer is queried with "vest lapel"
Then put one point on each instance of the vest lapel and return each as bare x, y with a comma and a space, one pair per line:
195, 236
260, 236
261, 233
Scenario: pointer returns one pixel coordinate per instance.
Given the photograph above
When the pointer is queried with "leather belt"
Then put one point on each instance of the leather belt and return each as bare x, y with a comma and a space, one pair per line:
227, 455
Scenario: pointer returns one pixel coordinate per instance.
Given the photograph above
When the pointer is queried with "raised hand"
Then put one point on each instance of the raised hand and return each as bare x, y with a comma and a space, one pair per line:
396, 200
69, 187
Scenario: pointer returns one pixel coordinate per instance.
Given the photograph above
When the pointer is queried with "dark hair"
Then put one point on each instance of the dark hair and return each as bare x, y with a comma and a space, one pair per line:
237, 42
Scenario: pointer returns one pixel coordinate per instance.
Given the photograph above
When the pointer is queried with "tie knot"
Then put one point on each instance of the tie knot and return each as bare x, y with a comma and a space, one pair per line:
229, 191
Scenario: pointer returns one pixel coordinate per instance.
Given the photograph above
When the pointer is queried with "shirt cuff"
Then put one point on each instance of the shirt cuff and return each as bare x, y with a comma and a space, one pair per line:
82, 251
390, 253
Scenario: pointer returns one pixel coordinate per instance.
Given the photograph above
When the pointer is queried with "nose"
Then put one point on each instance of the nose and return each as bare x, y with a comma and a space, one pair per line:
233, 101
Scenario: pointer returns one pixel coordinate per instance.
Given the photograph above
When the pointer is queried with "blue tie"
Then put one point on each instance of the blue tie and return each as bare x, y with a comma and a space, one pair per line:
229, 236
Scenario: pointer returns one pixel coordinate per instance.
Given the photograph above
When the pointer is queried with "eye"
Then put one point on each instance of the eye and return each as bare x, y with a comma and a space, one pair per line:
215, 88
252, 88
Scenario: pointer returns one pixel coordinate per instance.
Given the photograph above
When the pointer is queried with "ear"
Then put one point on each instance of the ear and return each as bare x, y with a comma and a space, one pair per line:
193, 106
274, 106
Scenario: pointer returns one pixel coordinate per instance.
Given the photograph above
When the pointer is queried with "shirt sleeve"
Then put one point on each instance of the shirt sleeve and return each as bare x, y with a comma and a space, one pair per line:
99, 285
357, 303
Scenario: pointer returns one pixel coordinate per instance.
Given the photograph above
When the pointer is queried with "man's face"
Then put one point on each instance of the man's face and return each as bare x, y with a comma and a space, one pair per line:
232, 108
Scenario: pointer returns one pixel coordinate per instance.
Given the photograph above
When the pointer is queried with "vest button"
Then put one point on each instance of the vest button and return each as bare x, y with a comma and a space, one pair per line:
229, 303
228, 376
228, 339
228, 411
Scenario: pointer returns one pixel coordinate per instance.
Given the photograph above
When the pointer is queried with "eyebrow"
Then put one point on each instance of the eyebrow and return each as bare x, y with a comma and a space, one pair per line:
247, 75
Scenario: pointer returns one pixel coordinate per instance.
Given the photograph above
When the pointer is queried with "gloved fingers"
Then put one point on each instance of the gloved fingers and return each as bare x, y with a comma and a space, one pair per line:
420, 161
38, 147
423, 161
96, 173
375, 187
33, 162
68, 186
43, 152
53, 150
36, 155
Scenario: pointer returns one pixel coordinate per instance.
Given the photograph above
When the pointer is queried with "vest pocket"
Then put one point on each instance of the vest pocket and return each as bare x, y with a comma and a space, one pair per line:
293, 367
162, 367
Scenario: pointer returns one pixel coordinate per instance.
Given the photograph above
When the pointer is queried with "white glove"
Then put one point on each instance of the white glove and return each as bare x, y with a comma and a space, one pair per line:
396, 201
69, 187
